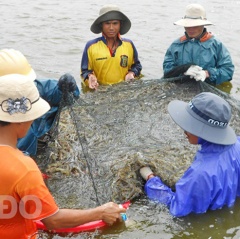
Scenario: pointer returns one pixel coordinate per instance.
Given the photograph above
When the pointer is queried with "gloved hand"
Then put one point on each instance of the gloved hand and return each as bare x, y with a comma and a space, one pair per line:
130, 76
146, 172
201, 75
67, 81
193, 71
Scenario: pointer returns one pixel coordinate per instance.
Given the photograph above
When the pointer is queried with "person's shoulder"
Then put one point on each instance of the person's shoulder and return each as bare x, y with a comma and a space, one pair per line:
179, 40
126, 39
93, 41
17, 158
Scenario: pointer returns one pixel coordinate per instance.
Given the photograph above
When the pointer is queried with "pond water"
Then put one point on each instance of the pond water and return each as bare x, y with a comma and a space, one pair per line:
52, 35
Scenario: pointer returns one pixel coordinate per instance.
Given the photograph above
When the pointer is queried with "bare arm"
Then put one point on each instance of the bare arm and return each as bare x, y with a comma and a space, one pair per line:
65, 218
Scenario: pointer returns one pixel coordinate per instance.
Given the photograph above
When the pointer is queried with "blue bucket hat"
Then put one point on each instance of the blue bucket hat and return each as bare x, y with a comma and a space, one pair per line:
207, 116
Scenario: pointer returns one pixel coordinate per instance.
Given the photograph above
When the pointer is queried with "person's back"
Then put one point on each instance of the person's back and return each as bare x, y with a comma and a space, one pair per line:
16, 171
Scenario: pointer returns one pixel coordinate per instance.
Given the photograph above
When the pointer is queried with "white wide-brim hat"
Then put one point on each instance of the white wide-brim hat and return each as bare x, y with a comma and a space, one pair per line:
207, 116
195, 15
14, 62
20, 100
111, 12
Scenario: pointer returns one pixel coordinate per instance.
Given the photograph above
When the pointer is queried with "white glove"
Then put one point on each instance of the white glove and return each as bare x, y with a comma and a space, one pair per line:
193, 71
201, 75
145, 172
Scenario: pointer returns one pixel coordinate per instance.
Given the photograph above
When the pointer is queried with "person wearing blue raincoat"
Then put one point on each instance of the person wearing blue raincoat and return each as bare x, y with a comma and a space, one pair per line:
51, 90
198, 54
213, 179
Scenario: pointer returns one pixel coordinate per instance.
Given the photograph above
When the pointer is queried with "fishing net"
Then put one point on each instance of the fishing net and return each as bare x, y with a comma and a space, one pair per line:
106, 136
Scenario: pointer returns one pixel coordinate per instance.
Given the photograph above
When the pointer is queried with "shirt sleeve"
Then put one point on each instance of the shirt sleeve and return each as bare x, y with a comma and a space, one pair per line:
136, 66
35, 197
156, 190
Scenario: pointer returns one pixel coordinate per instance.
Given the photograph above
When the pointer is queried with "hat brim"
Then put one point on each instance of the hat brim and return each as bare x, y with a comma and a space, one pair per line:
178, 112
186, 22
38, 109
19, 86
112, 15
32, 75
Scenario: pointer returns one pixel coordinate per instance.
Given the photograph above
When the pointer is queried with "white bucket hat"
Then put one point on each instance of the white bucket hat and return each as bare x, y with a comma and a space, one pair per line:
195, 15
108, 13
207, 116
20, 100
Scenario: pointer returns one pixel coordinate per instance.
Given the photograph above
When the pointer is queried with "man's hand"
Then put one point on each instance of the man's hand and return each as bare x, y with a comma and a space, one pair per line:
92, 82
130, 76
111, 212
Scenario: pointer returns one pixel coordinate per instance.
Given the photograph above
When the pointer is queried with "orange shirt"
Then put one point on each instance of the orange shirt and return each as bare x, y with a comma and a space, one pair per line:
24, 196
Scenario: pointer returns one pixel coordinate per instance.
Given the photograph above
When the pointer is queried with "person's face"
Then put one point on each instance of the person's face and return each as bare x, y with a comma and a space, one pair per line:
194, 32
111, 28
193, 139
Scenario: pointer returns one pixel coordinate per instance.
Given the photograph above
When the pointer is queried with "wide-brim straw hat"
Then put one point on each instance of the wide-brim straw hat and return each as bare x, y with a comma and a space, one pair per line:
195, 15
14, 62
207, 116
111, 12
20, 100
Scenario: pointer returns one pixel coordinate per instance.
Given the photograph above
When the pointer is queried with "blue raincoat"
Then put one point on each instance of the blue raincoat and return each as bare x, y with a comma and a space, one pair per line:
49, 91
207, 52
211, 182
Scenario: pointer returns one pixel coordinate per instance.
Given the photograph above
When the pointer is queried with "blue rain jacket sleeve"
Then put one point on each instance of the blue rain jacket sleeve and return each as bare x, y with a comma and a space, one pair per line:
211, 182
49, 91
211, 55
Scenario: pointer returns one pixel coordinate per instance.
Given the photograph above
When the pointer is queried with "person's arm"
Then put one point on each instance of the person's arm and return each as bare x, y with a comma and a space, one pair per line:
85, 71
169, 62
193, 191
224, 69
65, 218
50, 90
155, 189
136, 67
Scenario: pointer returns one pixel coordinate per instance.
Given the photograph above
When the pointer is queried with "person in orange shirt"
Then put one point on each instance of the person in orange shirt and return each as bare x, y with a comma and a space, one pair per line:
24, 197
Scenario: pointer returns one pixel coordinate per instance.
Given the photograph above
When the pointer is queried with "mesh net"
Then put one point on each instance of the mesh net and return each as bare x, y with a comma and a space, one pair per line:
106, 136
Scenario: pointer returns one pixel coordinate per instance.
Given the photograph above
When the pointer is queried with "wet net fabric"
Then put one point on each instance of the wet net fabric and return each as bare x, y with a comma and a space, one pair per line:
108, 135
